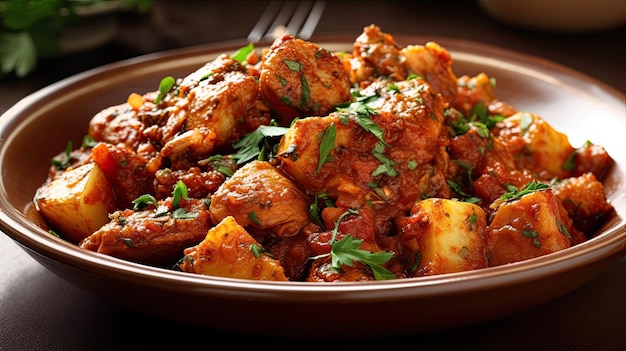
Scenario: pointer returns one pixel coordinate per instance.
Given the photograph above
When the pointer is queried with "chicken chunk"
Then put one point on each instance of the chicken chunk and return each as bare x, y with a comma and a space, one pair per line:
212, 111
152, 236
375, 54
117, 124
299, 78
585, 201
434, 64
258, 195
488, 168
130, 174
479, 90
396, 159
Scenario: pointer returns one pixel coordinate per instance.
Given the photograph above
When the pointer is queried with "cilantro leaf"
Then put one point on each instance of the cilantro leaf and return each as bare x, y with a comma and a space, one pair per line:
327, 145
515, 194
242, 53
180, 192
66, 159
387, 164
165, 86
362, 116
255, 144
143, 201
346, 251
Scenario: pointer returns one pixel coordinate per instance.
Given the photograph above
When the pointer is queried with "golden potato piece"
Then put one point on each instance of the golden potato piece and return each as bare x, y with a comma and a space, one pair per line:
444, 236
536, 145
525, 228
78, 202
229, 251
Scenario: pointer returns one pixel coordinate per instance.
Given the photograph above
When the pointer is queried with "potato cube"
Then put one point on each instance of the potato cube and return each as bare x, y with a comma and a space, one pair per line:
444, 236
229, 251
524, 228
78, 202
536, 145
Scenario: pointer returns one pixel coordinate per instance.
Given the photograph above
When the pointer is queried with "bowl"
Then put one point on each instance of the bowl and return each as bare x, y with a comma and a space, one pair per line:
40, 125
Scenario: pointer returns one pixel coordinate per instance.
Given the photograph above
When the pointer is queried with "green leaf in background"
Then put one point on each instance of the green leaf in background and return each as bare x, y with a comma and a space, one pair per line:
18, 15
17, 53
30, 29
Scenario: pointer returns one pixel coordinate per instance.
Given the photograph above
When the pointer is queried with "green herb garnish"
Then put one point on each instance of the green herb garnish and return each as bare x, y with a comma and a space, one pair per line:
253, 217
362, 116
387, 164
346, 251
144, 200
65, 159
258, 250
531, 187
165, 86
532, 235
326, 146
256, 145
293, 65
242, 53
180, 192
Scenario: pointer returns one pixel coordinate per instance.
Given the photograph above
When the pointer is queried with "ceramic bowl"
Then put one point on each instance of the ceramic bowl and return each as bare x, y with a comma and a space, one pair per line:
40, 125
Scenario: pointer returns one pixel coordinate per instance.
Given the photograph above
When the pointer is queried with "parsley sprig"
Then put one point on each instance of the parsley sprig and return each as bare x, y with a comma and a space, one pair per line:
516, 193
165, 86
179, 193
479, 118
64, 161
346, 251
327, 144
31, 30
315, 210
362, 114
257, 144
241, 54
386, 166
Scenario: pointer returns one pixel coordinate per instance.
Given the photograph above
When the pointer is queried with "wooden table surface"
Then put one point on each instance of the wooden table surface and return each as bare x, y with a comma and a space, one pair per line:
40, 311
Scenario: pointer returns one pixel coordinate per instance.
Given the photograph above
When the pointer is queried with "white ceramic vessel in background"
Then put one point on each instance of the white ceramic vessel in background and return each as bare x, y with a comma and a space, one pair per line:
558, 15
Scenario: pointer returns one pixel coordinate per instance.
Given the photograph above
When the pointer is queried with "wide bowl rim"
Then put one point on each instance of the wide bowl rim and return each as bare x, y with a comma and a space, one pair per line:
28, 235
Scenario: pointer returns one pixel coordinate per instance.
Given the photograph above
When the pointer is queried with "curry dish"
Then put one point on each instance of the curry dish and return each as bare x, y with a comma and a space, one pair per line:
295, 163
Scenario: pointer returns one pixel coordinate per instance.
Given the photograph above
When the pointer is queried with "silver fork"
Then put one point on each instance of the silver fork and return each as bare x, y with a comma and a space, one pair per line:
298, 18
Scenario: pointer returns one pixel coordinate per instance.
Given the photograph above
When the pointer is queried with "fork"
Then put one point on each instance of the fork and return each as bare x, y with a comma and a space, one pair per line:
298, 18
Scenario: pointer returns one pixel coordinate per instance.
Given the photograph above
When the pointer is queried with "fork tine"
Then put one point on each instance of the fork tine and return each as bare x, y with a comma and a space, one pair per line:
311, 23
261, 27
287, 16
302, 12
279, 25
